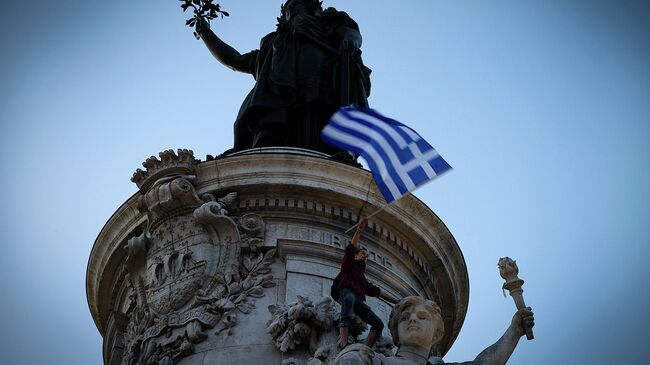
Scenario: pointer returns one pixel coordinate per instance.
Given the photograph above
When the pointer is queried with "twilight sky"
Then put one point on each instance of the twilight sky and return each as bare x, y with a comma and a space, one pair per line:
541, 107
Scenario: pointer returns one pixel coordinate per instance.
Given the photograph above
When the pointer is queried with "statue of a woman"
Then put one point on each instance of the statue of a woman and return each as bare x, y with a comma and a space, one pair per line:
304, 71
416, 326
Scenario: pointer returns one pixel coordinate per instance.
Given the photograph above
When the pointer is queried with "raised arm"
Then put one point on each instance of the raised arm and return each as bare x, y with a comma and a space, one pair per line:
357, 233
223, 52
500, 351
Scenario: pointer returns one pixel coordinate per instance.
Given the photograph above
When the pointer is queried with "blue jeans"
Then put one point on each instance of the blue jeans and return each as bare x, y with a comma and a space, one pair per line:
352, 303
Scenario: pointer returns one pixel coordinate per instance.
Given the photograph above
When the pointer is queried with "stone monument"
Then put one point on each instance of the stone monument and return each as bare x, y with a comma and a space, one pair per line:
230, 261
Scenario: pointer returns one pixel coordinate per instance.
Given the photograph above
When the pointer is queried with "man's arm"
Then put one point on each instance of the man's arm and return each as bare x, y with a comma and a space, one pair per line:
500, 351
353, 247
388, 297
357, 234
372, 290
223, 52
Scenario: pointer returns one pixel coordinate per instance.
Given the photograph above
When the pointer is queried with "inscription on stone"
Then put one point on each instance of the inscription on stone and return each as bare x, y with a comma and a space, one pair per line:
323, 237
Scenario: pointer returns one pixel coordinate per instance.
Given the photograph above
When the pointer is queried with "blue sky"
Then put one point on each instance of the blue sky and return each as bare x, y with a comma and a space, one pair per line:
542, 107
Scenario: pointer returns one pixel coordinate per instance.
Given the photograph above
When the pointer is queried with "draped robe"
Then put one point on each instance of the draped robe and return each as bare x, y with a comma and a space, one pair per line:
301, 79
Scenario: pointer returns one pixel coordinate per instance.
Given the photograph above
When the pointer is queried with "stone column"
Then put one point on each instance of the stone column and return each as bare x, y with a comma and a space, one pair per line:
201, 264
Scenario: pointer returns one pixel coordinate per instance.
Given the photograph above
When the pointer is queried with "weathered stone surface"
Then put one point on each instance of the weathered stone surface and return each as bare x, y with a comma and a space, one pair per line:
246, 354
296, 204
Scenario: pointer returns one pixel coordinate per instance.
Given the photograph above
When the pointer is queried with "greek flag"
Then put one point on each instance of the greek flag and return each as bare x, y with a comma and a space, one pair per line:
399, 159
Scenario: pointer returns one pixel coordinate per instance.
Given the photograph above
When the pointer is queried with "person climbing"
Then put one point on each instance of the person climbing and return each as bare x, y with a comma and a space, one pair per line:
353, 288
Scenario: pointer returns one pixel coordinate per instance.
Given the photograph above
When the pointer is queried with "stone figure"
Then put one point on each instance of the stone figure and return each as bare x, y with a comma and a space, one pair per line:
304, 71
416, 326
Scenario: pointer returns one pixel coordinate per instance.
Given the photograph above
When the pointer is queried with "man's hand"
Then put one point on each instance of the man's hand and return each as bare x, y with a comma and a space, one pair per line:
521, 320
357, 233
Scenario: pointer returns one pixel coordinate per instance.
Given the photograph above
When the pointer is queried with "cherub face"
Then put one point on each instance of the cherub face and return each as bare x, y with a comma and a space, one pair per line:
418, 326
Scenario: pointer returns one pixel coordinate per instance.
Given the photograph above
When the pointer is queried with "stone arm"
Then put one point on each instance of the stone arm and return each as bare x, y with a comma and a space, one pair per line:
500, 351
223, 52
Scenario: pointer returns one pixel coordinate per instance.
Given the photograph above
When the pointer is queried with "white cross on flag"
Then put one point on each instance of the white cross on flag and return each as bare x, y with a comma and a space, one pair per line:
399, 159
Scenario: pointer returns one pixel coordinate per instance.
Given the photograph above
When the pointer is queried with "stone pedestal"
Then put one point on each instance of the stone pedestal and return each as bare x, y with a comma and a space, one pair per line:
185, 270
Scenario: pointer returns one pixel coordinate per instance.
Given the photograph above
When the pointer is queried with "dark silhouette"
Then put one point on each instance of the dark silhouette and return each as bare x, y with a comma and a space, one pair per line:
304, 71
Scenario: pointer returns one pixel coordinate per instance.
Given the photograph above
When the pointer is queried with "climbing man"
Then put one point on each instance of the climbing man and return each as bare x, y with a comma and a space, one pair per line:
353, 290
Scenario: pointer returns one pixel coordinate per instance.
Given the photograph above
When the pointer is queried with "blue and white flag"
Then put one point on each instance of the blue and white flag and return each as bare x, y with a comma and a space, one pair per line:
399, 159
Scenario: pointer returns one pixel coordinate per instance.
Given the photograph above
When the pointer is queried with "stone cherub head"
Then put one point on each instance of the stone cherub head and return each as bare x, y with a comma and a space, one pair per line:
416, 324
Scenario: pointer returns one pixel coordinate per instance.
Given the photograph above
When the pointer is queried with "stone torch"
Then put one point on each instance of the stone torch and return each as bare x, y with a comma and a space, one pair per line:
508, 270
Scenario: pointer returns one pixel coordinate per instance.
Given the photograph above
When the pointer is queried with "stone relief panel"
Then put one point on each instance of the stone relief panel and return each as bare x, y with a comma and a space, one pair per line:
188, 275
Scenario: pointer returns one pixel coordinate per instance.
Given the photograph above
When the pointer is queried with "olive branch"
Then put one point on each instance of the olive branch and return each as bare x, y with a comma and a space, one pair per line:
203, 9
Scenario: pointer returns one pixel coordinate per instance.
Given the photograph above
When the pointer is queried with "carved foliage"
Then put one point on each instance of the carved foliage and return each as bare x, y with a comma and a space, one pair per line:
302, 322
233, 294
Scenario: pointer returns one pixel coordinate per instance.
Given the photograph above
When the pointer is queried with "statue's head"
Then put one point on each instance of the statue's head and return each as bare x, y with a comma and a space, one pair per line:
416, 322
294, 7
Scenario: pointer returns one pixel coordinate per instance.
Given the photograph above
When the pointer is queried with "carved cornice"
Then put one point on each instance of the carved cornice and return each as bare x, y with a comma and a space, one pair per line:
170, 163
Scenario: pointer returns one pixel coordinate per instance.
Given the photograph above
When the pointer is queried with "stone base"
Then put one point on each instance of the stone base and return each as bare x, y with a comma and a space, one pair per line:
292, 204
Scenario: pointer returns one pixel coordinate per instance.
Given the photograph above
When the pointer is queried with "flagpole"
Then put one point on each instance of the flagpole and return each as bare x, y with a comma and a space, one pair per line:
366, 219
387, 205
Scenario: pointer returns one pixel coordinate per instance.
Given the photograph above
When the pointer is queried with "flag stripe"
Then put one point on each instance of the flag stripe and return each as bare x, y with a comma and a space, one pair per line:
387, 188
389, 130
399, 159
378, 144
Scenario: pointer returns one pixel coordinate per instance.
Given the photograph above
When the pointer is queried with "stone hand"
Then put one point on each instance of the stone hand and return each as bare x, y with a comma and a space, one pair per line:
523, 319
202, 25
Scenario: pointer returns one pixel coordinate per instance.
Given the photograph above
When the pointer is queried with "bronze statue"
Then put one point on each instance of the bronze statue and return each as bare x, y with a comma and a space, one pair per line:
304, 71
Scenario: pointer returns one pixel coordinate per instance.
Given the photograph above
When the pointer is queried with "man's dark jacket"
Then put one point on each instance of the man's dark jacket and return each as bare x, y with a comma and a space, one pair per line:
352, 275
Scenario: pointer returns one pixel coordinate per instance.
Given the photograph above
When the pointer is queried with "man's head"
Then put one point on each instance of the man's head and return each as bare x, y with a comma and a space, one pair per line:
362, 255
296, 7
416, 322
